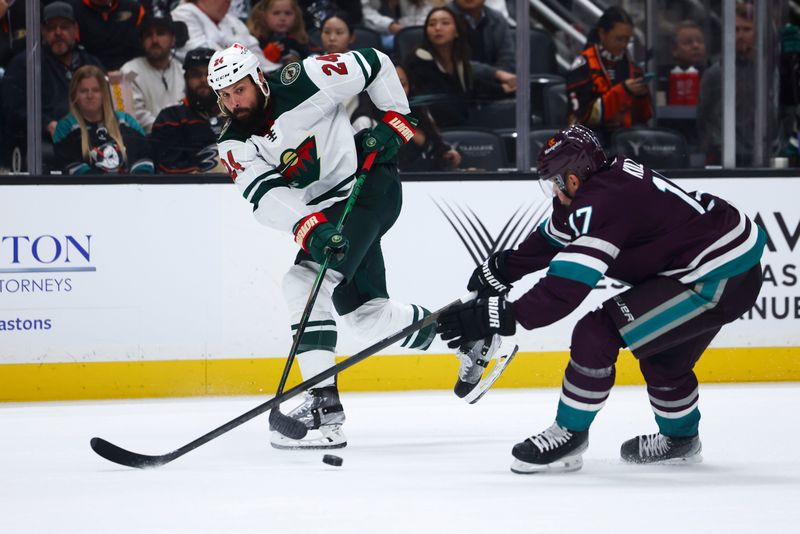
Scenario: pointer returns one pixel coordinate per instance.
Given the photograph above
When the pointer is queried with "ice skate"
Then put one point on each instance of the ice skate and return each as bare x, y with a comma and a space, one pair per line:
661, 449
323, 415
555, 450
475, 358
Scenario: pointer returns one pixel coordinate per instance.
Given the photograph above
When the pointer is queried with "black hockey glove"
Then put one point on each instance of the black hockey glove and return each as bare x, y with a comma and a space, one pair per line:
389, 135
318, 237
488, 279
477, 319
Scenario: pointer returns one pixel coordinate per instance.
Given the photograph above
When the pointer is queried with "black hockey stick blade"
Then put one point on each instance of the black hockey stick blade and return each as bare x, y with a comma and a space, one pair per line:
121, 456
291, 428
116, 454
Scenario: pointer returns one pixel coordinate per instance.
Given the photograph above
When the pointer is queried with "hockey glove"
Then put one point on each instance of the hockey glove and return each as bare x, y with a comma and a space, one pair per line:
477, 319
487, 279
318, 237
389, 135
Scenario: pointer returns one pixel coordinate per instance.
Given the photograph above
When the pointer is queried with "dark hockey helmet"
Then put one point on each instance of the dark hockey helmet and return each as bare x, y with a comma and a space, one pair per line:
574, 149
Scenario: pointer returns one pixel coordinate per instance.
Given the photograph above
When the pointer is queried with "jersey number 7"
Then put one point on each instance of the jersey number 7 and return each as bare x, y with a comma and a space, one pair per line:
333, 64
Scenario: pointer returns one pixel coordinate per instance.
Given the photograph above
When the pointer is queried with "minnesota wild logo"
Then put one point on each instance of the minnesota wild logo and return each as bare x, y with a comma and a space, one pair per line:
300, 166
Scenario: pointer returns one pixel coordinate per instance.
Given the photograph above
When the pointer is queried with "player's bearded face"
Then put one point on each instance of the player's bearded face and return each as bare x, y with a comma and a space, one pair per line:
246, 109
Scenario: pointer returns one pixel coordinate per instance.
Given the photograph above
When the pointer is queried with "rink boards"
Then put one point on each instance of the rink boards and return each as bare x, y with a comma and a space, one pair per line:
110, 291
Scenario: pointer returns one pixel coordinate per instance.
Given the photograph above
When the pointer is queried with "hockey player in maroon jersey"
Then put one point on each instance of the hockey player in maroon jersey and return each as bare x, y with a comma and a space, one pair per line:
692, 261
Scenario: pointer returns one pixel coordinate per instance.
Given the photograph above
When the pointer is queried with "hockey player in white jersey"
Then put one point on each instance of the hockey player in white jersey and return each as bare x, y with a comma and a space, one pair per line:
290, 149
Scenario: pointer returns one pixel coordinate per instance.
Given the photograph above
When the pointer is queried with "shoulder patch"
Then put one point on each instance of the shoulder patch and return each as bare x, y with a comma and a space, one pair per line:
579, 61
290, 73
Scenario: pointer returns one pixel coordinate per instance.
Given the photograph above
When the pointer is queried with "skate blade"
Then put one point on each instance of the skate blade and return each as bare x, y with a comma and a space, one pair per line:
565, 465
687, 460
330, 438
485, 383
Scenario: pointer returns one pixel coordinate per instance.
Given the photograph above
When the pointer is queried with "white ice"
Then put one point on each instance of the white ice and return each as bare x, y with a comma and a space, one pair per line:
416, 462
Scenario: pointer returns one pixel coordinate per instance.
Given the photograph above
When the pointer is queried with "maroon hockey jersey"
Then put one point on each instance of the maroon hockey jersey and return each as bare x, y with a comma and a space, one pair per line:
631, 224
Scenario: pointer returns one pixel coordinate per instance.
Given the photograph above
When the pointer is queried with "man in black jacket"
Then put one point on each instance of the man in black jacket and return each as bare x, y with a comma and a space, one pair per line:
60, 59
184, 136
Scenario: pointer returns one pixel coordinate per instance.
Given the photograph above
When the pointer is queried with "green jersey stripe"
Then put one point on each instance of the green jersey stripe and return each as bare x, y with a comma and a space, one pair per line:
372, 60
334, 191
324, 340
259, 179
265, 188
363, 69
326, 322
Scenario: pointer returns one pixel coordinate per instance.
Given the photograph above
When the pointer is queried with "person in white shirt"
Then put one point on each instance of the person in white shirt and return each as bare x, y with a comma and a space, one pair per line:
211, 26
155, 79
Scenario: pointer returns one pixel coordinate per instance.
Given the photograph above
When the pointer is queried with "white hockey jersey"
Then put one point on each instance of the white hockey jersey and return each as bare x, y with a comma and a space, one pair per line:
305, 160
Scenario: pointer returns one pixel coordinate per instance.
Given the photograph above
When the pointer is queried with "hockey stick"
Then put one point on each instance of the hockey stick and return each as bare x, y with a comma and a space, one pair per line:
287, 426
116, 454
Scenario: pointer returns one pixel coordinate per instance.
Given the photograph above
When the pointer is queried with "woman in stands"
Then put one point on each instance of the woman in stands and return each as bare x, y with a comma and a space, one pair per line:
440, 70
278, 25
95, 139
426, 151
605, 89
337, 36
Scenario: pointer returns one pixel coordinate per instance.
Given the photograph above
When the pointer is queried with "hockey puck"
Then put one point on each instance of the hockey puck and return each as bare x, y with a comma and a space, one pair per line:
332, 459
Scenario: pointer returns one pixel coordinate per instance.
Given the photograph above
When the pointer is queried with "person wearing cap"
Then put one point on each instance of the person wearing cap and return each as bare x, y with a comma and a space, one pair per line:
109, 29
184, 136
156, 78
61, 57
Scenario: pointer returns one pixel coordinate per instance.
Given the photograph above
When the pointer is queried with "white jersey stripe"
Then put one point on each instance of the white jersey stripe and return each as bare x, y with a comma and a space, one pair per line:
560, 236
586, 407
722, 260
727, 238
599, 244
675, 415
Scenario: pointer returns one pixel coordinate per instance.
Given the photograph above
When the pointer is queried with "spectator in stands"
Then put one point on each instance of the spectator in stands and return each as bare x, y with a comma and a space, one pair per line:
278, 25
605, 89
316, 11
156, 79
709, 108
210, 26
440, 69
337, 36
490, 42
94, 138
337, 33
427, 151
184, 137
61, 57
689, 46
109, 29
388, 17
12, 30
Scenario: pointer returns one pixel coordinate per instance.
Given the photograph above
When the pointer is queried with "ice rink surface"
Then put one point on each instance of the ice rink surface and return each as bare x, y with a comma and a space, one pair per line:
416, 462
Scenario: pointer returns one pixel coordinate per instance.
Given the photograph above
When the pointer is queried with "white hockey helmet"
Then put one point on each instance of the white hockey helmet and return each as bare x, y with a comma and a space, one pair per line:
230, 65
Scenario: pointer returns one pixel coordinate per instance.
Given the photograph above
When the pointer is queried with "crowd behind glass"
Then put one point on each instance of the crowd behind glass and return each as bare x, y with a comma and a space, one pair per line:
124, 85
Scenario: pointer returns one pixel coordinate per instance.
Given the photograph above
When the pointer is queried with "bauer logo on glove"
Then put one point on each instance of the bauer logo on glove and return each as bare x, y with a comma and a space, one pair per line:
477, 319
389, 135
319, 238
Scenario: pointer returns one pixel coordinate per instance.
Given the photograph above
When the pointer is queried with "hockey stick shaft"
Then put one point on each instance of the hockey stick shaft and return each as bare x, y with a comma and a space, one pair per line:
116, 454
312, 297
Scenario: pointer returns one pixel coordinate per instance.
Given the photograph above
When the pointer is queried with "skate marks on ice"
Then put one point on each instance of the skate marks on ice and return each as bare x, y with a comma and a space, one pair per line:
421, 462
